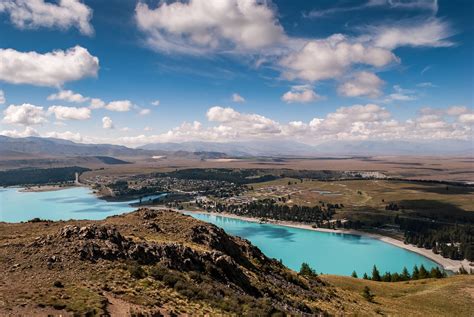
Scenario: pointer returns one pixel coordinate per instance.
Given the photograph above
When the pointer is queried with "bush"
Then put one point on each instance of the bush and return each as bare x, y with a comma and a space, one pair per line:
367, 294
307, 271
136, 271
158, 272
170, 280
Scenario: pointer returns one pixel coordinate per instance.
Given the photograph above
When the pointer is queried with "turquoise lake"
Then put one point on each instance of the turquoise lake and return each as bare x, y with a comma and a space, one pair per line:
333, 253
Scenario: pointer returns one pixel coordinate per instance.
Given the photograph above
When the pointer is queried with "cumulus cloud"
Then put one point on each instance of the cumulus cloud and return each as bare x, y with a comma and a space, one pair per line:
331, 57
107, 123
467, 118
49, 69
32, 14
2, 97
301, 94
431, 33
29, 131
119, 105
253, 123
144, 112
67, 135
25, 114
96, 103
70, 113
357, 122
237, 98
199, 26
68, 95
362, 84
155, 103
457, 110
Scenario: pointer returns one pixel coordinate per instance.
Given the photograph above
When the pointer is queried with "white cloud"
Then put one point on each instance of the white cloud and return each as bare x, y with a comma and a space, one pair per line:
107, 123
32, 14
466, 118
253, 123
155, 103
144, 112
49, 69
429, 5
237, 98
25, 114
431, 33
362, 84
115, 105
301, 94
119, 105
70, 113
357, 122
68, 95
331, 57
96, 103
147, 128
67, 135
29, 131
457, 110
199, 26
2, 97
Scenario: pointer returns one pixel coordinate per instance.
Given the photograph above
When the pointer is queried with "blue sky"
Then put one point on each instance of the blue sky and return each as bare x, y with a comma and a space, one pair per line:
305, 71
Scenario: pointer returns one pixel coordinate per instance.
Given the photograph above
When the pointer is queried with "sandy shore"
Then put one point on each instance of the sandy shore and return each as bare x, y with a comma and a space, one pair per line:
447, 264
45, 188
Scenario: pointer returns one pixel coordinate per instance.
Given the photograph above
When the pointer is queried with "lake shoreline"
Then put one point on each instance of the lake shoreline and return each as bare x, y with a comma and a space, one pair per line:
45, 188
447, 264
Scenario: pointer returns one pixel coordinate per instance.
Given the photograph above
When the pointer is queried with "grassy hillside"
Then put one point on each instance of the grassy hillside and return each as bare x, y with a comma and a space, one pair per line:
452, 296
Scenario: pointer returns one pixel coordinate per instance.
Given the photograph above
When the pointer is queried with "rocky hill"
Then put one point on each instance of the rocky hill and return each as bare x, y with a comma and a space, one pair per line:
150, 262
159, 263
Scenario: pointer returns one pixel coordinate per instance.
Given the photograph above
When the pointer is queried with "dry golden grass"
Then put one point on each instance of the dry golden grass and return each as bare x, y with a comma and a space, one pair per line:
453, 296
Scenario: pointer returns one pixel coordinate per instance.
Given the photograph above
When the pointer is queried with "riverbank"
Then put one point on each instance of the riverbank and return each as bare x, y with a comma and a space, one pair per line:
447, 264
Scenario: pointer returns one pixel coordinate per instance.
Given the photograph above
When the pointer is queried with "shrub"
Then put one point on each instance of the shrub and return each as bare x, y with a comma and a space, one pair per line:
136, 271
367, 294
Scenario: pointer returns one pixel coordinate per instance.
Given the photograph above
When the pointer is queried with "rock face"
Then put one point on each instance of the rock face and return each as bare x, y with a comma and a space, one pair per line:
96, 242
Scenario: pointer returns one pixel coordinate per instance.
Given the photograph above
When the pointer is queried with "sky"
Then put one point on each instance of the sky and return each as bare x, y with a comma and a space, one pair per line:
135, 72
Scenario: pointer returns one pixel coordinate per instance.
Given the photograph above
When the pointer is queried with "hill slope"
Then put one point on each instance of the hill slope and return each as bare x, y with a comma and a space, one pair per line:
165, 263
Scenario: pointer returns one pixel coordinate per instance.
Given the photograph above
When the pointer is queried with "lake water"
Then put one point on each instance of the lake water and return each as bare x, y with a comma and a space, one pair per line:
333, 253
65, 204
327, 252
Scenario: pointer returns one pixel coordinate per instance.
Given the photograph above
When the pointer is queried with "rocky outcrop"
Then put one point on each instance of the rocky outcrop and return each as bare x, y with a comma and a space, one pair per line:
102, 242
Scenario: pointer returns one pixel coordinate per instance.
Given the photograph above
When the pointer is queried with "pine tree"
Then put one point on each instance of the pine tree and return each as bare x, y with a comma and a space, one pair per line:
375, 274
395, 277
354, 274
416, 273
436, 273
405, 274
423, 273
387, 277
365, 277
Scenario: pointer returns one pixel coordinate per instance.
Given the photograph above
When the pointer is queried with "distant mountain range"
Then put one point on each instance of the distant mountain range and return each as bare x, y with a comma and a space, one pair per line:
58, 147
251, 148
288, 148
